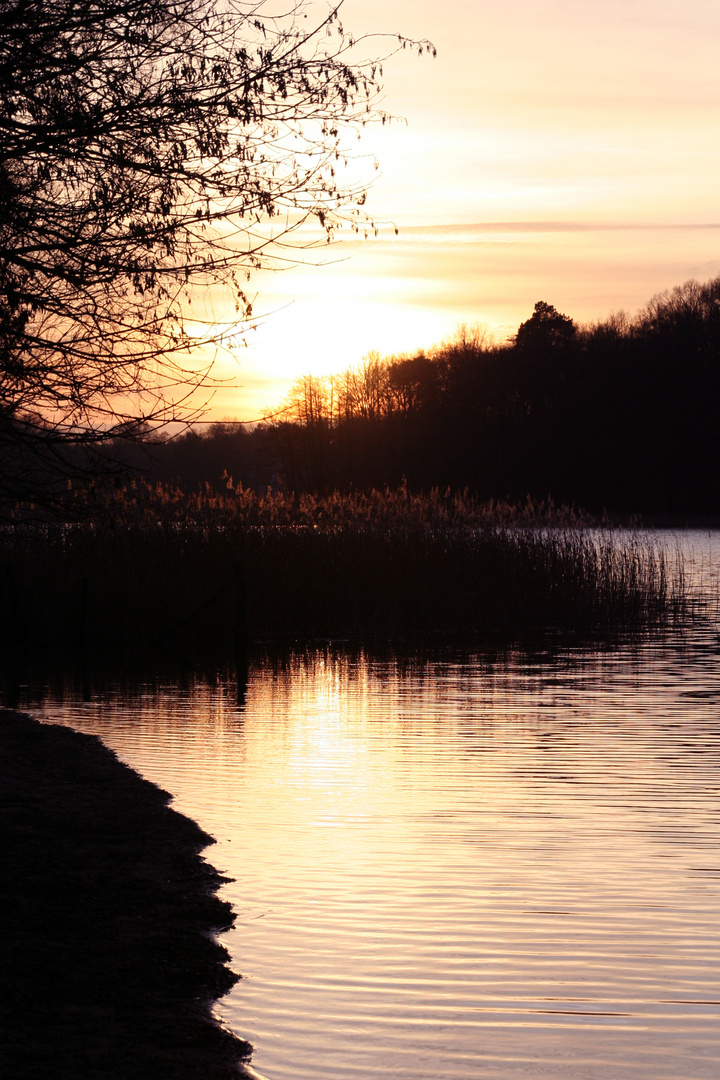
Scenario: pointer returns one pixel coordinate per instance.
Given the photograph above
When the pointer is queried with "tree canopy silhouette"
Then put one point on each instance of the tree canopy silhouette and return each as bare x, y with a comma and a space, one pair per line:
546, 330
148, 147
618, 415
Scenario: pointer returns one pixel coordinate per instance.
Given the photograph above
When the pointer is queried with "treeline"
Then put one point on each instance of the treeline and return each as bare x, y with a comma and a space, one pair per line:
620, 415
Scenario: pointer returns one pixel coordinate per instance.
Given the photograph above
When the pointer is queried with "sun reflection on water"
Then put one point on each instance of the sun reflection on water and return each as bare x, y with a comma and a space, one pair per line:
458, 865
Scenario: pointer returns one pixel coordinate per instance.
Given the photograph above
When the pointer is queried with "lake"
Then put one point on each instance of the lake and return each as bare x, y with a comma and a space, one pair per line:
461, 863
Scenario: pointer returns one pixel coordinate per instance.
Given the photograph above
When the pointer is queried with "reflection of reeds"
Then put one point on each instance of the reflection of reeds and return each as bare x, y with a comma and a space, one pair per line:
164, 566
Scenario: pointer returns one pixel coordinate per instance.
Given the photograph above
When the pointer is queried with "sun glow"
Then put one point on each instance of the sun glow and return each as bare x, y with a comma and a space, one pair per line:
403, 294
565, 154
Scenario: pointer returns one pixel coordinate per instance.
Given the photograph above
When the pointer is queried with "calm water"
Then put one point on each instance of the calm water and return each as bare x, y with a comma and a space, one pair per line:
468, 867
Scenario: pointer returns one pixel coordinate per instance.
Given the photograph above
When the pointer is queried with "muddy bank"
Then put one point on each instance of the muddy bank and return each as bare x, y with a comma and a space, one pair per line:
107, 962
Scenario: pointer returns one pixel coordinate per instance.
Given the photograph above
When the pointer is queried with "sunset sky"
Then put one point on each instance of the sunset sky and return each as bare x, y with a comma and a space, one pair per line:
567, 151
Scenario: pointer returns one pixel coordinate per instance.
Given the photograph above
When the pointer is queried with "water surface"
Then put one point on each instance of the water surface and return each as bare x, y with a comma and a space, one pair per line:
465, 865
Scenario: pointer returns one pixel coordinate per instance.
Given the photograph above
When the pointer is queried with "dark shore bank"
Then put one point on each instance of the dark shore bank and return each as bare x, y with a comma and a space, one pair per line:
107, 960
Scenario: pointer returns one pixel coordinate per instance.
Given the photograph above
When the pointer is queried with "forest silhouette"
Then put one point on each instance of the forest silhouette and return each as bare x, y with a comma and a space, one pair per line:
619, 416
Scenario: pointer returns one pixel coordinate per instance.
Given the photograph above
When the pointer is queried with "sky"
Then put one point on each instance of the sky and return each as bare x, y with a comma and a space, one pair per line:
566, 151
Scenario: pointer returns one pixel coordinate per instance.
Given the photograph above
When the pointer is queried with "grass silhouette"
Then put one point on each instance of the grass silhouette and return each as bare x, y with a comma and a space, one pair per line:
157, 566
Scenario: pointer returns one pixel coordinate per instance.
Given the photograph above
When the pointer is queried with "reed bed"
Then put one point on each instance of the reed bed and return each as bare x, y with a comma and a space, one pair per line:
156, 567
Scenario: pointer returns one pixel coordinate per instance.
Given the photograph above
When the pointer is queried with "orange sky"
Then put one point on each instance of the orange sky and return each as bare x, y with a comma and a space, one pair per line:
567, 151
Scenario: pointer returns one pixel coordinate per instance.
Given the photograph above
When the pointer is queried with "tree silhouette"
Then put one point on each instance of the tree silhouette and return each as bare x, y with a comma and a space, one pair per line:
148, 148
545, 331
617, 416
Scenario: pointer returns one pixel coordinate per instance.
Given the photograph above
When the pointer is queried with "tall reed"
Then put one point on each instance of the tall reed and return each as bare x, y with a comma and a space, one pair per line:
155, 566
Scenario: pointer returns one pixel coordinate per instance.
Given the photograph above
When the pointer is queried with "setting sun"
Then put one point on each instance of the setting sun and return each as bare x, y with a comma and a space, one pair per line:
567, 154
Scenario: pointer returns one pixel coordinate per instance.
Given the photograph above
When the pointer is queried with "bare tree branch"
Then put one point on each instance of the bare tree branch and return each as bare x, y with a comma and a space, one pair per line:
148, 149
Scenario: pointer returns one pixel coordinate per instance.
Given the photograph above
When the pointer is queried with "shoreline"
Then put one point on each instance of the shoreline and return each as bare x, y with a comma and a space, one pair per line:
108, 917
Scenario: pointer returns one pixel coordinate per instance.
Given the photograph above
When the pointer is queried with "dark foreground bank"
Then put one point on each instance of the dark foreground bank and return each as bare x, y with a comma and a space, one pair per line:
107, 961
